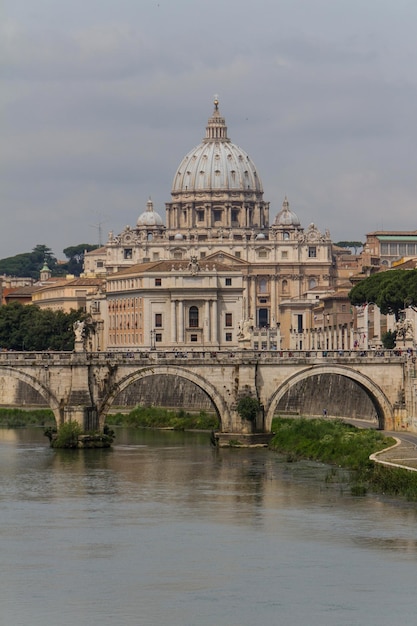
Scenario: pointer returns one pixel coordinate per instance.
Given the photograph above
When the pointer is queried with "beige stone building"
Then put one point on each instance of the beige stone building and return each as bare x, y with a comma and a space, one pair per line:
384, 248
217, 230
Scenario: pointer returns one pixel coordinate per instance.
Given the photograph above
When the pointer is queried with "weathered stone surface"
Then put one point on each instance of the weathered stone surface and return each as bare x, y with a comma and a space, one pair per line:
83, 387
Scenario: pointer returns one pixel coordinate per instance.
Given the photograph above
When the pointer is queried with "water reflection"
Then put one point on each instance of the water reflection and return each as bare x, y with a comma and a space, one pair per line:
164, 529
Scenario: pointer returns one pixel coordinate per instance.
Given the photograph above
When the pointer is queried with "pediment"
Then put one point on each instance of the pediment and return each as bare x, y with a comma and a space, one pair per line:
225, 259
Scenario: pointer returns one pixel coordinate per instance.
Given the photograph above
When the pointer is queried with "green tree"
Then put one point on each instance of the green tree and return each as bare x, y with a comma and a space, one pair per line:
27, 327
75, 256
349, 244
392, 291
388, 339
29, 264
248, 408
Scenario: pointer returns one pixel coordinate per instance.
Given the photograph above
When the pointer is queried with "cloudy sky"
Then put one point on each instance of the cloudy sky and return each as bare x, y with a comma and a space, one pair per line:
100, 100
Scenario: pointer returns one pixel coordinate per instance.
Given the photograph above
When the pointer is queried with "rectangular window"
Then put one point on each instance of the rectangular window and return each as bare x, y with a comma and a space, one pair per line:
228, 336
228, 320
202, 255
312, 252
193, 338
158, 282
127, 253
158, 337
237, 255
384, 248
100, 264
200, 216
403, 248
158, 320
217, 216
411, 248
155, 256
228, 282
393, 249
299, 323
284, 254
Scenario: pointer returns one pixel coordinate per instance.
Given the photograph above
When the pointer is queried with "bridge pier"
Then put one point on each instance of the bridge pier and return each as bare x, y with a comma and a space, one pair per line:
85, 416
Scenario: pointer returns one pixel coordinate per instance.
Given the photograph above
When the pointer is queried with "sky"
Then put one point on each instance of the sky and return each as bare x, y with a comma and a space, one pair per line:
100, 101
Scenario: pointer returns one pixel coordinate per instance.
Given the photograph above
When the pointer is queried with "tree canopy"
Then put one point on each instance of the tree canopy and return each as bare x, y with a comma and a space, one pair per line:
29, 264
392, 291
349, 244
75, 256
27, 327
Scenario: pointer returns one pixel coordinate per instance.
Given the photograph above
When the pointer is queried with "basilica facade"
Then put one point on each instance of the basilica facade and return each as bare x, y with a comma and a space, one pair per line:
217, 274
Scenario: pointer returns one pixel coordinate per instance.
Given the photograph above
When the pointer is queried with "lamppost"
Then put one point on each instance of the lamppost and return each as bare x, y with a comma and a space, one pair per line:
153, 339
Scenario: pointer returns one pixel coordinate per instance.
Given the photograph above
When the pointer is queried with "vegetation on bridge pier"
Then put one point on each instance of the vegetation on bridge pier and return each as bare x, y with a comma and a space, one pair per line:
70, 435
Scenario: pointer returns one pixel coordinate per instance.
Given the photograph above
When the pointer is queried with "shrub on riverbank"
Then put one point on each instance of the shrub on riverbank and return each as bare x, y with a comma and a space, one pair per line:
155, 417
19, 418
337, 443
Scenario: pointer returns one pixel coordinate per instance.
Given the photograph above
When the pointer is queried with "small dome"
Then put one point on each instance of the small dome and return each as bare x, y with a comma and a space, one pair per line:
178, 237
260, 236
149, 217
286, 217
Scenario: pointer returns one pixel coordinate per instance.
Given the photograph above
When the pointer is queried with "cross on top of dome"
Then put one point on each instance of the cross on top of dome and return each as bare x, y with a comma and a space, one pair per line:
216, 129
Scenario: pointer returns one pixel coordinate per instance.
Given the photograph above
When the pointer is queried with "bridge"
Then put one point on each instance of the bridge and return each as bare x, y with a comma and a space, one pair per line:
83, 386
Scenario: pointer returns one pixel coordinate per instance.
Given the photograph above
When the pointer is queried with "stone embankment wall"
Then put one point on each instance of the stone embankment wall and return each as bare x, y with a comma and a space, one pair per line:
166, 391
16, 393
340, 396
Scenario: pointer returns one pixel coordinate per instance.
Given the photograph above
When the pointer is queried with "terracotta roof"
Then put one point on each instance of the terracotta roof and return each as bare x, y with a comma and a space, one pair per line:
167, 266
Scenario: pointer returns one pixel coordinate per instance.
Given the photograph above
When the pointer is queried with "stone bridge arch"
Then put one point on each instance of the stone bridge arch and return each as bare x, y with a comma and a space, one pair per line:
218, 401
381, 403
35, 384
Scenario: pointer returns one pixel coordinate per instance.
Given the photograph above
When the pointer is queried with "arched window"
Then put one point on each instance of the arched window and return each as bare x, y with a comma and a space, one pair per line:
193, 317
312, 283
286, 235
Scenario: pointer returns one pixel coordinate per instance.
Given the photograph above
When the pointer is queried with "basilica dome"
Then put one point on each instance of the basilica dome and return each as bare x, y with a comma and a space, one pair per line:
216, 164
286, 217
149, 217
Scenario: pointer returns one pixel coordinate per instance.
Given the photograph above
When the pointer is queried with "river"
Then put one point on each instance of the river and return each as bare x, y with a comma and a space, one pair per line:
162, 529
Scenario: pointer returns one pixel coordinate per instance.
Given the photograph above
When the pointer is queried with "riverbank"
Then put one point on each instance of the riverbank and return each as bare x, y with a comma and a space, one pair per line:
21, 418
344, 446
155, 417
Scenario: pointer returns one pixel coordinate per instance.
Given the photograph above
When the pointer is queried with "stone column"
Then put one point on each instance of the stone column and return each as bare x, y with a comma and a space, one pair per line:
273, 287
252, 304
206, 323
214, 322
173, 322
181, 321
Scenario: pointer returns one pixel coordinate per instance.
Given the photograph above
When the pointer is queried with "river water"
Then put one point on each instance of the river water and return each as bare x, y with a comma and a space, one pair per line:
162, 529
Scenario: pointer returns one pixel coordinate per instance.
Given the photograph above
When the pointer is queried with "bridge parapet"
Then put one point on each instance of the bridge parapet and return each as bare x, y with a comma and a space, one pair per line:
178, 357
